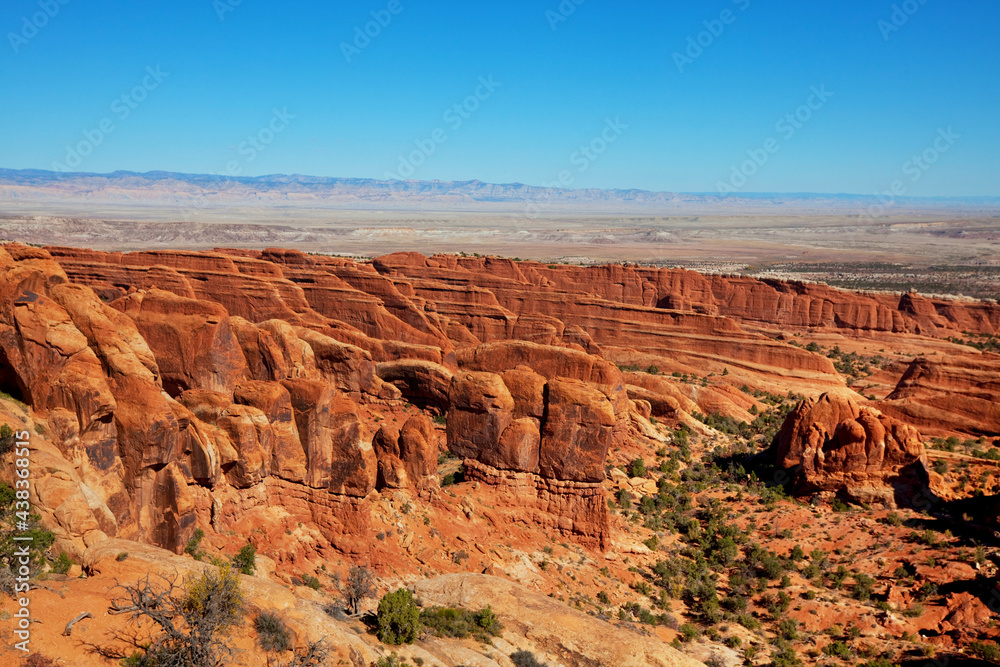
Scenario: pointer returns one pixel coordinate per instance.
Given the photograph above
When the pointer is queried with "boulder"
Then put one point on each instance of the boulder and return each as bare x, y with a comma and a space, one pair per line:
481, 409
577, 432
835, 445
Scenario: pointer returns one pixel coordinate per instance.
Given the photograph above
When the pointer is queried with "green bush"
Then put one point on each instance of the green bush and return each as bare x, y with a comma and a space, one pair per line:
786, 657
193, 547
10, 518
245, 560
272, 633
788, 629
637, 468
839, 505
838, 649
985, 650
389, 661
398, 618
7, 439
62, 564
862, 589
451, 478
688, 632
461, 623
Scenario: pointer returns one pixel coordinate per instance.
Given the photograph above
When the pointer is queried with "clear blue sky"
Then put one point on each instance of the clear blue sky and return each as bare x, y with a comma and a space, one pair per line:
892, 91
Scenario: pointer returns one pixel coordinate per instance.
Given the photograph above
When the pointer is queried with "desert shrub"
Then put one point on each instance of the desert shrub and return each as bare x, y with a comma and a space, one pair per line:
862, 589
357, 587
194, 544
735, 602
525, 659
893, 519
186, 620
245, 560
788, 629
392, 660
10, 518
398, 618
451, 478
985, 650
785, 656
312, 582
62, 563
272, 633
461, 623
39, 660
637, 468
7, 439
688, 632
838, 649
927, 589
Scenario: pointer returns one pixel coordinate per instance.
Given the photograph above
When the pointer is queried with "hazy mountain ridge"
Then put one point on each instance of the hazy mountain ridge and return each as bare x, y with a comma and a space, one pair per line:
281, 189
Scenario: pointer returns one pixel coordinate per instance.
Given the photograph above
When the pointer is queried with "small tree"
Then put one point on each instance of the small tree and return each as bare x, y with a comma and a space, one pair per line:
637, 468
358, 586
11, 518
188, 618
398, 618
245, 560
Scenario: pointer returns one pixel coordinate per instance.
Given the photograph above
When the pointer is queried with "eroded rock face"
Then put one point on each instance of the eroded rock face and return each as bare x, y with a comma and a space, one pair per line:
407, 456
192, 340
182, 386
540, 436
950, 393
835, 445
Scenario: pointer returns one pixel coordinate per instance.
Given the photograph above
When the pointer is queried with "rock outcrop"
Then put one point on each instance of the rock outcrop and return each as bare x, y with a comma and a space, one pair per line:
835, 445
947, 394
573, 636
179, 384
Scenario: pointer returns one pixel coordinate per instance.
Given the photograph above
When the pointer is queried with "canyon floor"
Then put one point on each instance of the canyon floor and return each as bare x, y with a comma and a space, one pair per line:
631, 464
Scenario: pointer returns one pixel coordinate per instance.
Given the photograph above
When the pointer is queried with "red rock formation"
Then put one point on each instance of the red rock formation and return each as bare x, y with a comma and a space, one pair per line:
407, 457
835, 445
274, 356
192, 340
946, 394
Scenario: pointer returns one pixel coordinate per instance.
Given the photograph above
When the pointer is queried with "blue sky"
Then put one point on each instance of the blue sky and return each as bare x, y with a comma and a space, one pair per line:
562, 78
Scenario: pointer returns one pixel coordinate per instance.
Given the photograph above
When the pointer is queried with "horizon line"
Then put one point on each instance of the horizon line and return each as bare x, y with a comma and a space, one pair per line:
61, 175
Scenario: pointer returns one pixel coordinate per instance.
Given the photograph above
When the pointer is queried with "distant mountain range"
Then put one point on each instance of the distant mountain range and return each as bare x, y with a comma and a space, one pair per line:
160, 188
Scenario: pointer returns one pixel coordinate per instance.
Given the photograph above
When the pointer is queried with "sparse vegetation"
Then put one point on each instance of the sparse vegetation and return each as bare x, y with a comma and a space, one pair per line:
398, 618
358, 586
272, 633
188, 618
193, 547
461, 623
245, 560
